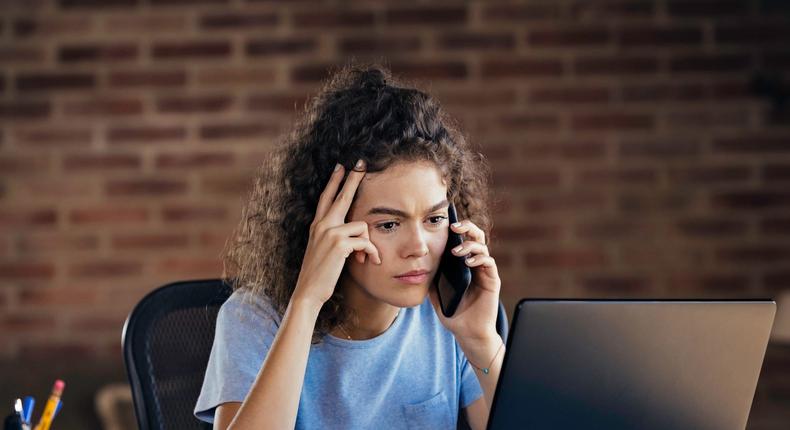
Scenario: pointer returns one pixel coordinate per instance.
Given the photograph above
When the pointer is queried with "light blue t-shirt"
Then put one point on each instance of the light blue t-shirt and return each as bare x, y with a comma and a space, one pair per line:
412, 376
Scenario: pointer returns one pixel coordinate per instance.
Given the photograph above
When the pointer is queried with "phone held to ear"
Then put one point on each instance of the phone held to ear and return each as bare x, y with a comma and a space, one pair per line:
454, 276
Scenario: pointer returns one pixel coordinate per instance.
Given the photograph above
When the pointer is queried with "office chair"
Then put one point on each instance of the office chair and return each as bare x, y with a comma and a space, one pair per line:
167, 340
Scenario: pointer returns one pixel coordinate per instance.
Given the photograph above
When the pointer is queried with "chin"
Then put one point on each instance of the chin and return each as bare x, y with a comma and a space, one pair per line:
409, 297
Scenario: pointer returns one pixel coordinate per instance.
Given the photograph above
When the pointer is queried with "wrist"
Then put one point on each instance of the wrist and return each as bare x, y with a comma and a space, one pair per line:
481, 351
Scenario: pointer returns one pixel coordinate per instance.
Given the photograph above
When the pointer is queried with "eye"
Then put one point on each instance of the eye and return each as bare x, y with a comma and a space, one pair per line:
436, 220
387, 227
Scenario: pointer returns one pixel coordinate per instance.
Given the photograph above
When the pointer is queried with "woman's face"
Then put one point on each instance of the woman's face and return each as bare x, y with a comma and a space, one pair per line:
405, 207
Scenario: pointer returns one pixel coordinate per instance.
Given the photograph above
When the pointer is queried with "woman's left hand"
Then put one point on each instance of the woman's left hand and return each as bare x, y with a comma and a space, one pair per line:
475, 319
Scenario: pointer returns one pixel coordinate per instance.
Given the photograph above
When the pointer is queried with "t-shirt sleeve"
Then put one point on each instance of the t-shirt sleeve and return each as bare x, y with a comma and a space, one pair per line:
470, 385
243, 335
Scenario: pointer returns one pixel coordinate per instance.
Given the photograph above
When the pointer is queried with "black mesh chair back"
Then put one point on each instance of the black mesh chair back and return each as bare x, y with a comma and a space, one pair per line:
167, 340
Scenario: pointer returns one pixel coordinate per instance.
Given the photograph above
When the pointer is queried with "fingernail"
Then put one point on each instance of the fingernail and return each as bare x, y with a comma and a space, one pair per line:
456, 225
458, 248
337, 167
359, 164
470, 260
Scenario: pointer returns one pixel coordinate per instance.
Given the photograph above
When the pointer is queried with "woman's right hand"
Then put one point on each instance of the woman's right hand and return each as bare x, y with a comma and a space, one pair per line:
332, 240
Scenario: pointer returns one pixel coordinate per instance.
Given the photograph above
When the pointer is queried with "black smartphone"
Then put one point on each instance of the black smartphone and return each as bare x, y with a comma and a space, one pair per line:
454, 276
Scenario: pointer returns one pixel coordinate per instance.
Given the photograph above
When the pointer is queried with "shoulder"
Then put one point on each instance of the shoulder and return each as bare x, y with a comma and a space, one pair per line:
246, 308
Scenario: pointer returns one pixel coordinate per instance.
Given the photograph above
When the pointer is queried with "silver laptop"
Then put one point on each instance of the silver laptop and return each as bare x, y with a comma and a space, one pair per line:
632, 364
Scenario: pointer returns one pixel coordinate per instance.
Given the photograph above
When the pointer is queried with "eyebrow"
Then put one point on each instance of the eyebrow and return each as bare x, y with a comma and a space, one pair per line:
390, 211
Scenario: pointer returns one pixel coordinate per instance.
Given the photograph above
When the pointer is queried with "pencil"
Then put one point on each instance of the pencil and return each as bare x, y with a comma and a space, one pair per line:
52, 404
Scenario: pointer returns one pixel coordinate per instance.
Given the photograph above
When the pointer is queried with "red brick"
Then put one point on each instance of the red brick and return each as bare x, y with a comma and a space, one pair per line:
23, 270
97, 162
623, 175
526, 232
140, 23
568, 37
236, 21
753, 144
642, 36
777, 280
710, 63
32, 82
51, 243
483, 41
191, 50
19, 55
147, 78
326, 19
775, 226
611, 121
732, 90
497, 13
281, 46
105, 269
237, 130
776, 173
615, 284
380, 45
527, 178
426, 15
571, 202
658, 149
68, 352
707, 8
603, 11
103, 107
564, 258
53, 136
27, 217
777, 60
615, 65
683, 283
53, 188
711, 227
194, 160
190, 267
664, 92
522, 68
430, 69
144, 187
522, 121
24, 164
149, 241
58, 296
108, 215
94, 52
27, 323
706, 175
194, 104
476, 98
53, 27
750, 34
535, 150
230, 76
283, 102
612, 229
145, 134
570, 94
755, 200
92, 4
181, 214
24, 110
754, 254
227, 186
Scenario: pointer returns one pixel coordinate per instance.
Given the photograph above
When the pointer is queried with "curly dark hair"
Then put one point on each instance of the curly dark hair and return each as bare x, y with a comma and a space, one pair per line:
361, 112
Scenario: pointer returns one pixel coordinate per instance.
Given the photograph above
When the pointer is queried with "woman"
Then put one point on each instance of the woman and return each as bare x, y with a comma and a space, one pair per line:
334, 322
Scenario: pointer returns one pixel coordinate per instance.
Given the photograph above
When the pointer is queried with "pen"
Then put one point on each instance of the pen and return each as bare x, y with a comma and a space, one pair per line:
52, 404
27, 408
14, 421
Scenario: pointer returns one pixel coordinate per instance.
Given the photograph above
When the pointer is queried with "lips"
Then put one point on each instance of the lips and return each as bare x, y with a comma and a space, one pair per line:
412, 273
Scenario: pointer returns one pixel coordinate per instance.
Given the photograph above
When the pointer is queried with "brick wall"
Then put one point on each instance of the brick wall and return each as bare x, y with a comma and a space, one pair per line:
635, 151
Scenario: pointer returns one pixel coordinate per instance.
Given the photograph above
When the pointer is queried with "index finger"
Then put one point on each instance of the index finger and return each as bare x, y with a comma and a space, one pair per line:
325, 201
342, 203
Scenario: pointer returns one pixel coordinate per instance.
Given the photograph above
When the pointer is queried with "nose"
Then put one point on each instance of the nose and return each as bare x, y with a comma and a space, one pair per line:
416, 244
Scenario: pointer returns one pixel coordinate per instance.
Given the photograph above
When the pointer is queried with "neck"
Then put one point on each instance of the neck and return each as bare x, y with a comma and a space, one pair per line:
373, 317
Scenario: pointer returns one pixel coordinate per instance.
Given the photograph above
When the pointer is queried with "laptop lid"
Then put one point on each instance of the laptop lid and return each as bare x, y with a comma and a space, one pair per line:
632, 364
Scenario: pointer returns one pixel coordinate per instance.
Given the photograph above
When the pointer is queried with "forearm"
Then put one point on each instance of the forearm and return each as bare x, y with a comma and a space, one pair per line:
273, 400
484, 353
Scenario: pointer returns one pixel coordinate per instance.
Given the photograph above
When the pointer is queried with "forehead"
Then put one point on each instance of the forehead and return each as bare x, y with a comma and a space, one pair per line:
405, 186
